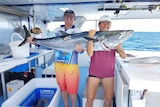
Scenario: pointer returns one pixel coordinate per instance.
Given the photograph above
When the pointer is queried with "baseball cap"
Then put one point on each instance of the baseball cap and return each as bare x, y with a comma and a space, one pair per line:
105, 18
69, 12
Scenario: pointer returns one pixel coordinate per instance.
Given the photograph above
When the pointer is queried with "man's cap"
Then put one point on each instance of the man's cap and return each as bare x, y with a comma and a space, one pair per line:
105, 18
69, 12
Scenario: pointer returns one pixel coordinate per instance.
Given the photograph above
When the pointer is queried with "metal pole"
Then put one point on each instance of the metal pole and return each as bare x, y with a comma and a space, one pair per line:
3, 86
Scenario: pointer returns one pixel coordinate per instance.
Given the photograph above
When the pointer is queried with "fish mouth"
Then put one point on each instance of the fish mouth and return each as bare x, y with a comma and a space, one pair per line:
104, 46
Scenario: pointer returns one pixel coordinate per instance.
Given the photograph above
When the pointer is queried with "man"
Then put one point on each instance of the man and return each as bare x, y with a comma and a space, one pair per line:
66, 63
102, 67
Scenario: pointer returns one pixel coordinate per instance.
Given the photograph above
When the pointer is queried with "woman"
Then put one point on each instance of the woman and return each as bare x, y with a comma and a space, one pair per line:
102, 67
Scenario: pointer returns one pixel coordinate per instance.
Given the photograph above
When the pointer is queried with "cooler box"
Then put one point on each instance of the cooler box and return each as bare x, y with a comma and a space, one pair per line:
37, 92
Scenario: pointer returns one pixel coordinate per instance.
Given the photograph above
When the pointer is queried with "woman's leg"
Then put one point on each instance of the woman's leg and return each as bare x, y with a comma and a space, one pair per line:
108, 86
93, 83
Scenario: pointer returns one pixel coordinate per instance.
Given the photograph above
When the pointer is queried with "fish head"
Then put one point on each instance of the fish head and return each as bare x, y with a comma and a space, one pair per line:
100, 46
116, 37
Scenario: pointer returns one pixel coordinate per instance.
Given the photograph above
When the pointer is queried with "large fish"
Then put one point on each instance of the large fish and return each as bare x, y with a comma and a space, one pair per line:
102, 40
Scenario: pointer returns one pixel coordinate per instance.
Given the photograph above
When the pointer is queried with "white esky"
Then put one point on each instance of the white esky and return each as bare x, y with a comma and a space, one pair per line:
138, 25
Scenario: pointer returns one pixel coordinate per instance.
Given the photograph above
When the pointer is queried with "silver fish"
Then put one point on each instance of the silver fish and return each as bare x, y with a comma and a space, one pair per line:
145, 60
41, 102
102, 40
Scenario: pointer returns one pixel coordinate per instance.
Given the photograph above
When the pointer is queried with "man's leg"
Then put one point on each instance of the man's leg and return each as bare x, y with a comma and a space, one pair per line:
60, 77
73, 98
72, 81
65, 98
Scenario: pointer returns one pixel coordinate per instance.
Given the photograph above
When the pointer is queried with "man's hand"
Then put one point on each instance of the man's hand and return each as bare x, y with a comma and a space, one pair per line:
66, 38
78, 48
30, 40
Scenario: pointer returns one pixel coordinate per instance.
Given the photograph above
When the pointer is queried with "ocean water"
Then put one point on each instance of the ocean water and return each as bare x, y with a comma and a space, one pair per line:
143, 41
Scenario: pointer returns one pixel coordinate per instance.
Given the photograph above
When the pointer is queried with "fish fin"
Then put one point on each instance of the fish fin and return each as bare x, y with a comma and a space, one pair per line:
63, 33
27, 35
89, 38
105, 47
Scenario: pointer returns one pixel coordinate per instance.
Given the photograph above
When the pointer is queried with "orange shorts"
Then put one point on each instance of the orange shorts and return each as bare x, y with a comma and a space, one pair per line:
67, 76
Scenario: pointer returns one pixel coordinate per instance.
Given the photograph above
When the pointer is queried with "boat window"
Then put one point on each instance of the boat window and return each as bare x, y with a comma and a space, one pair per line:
91, 24
52, 25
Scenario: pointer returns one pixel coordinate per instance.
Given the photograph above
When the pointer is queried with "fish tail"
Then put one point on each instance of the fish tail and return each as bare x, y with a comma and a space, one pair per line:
27, 35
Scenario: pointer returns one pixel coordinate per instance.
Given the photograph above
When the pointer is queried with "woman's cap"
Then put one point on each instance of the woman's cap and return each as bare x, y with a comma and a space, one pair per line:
105, 18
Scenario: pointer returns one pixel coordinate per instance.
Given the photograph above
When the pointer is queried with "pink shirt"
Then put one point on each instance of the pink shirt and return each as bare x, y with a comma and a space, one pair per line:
102, 64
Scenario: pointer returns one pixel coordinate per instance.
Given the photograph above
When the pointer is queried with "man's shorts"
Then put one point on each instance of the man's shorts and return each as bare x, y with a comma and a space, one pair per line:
67, 76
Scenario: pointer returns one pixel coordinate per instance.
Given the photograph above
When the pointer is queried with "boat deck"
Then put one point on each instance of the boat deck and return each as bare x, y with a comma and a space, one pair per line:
83, 77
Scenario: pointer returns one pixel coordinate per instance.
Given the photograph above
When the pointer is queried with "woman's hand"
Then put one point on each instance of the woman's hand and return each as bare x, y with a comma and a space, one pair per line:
90, 47
121, 51
91, 33
118, 47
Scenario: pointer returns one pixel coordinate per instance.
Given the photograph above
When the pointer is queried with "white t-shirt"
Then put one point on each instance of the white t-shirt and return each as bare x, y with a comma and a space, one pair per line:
70, 57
